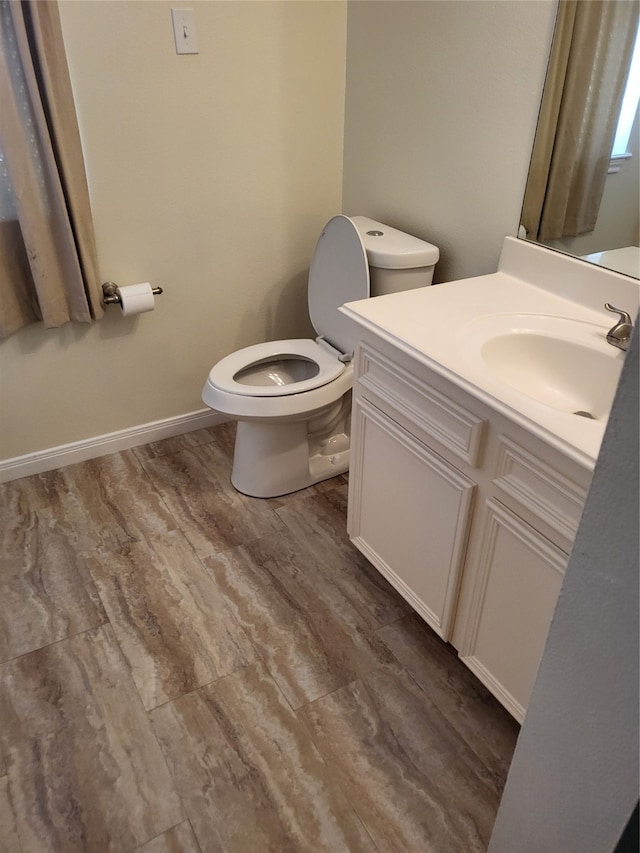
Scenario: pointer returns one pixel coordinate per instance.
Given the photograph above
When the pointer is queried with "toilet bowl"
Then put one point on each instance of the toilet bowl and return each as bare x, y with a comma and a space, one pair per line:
292, 399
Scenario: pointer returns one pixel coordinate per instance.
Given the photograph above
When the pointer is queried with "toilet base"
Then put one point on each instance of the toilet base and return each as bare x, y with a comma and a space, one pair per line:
274, 459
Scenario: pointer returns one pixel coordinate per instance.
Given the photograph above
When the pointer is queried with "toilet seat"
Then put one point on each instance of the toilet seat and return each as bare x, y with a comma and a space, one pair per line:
339, 273
223, 374
284, 407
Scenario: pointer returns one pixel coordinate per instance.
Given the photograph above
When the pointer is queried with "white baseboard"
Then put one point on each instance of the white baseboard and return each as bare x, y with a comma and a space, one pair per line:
101, 445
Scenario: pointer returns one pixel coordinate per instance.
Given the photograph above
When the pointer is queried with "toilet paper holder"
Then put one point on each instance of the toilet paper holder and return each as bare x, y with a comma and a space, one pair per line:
110, 295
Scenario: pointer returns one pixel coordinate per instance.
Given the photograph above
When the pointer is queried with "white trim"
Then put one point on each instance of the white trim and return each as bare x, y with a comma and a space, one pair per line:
101, 445
616, 161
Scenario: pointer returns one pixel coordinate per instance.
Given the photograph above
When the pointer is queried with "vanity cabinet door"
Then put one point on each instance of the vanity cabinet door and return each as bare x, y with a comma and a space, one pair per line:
409, 513
516, 575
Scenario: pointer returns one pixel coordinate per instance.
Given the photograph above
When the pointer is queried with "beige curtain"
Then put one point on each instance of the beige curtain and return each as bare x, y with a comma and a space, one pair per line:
48, 264
588, 68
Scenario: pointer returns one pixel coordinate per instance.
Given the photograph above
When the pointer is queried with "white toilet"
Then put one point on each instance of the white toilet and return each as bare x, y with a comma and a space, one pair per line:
292, 399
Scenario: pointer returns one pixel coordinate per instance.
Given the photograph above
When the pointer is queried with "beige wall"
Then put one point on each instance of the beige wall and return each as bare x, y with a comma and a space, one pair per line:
211, 175
442, 103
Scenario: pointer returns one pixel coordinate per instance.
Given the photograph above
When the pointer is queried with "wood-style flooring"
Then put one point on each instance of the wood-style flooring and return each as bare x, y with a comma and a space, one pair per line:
184, 668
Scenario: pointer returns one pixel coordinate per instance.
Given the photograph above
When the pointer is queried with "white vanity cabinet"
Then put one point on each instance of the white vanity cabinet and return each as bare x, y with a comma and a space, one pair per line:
469, 516
410, 506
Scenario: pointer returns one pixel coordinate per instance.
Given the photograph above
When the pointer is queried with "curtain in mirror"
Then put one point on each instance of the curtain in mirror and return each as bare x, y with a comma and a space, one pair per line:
48, 263
587, 73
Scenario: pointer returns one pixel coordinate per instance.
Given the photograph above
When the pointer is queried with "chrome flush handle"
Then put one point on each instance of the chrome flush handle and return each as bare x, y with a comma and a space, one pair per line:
620, 334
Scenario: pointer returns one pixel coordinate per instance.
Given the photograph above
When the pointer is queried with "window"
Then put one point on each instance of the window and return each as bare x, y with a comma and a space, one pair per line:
628, 111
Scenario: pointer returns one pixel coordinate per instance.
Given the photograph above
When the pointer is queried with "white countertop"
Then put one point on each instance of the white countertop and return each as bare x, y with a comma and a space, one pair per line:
626, 260
429, 324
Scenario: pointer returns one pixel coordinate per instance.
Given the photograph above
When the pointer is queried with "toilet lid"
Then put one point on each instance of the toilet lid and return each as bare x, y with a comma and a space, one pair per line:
339, 273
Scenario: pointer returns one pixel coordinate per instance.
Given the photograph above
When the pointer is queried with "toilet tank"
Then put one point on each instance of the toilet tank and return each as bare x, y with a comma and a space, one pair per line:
397, 261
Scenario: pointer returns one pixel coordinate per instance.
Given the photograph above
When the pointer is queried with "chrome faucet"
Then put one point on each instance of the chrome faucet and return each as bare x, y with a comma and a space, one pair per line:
620, 334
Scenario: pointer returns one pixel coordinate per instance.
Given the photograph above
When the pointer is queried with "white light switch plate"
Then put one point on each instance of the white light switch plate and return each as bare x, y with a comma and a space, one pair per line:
184, 30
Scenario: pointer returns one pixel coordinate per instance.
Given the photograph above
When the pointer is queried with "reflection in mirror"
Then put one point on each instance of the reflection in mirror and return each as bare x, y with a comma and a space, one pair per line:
579, 198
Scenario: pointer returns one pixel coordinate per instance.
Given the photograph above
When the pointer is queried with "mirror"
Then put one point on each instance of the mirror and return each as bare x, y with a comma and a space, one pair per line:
580, 199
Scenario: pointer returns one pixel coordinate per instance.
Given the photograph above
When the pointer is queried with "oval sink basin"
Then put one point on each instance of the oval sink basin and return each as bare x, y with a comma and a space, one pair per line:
561, 363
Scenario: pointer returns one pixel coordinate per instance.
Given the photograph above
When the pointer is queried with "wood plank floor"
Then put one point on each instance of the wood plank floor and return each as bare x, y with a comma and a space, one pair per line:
187, 669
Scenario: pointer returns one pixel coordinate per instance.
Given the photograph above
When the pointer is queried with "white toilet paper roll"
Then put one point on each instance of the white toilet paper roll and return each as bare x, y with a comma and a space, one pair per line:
136, 298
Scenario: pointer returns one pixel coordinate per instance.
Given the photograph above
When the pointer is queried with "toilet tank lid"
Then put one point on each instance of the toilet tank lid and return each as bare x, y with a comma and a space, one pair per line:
393, 249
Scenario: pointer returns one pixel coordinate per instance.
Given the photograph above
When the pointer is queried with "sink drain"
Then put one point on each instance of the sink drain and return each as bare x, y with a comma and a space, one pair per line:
585, 415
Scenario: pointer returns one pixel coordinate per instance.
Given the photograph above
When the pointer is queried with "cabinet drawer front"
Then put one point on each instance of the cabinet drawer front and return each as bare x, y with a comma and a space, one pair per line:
409, 513
516, 585
551, 496
455, 427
